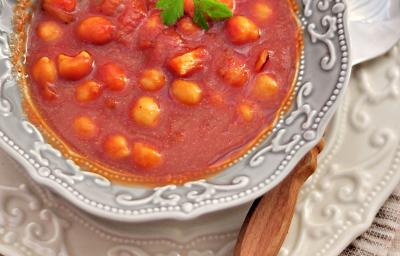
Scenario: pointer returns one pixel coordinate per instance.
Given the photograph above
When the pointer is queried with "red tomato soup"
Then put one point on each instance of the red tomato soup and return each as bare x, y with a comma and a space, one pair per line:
137, 101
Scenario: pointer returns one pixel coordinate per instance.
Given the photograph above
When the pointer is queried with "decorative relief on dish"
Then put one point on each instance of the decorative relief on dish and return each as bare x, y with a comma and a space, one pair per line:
339, 197
5, 79
359, 118
200, 194
197, 191
277, 145
122, 250
330, 23
73, 174
25, 223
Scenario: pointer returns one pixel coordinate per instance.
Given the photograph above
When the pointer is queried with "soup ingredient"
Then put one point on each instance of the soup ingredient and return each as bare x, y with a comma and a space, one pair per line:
172, 10
247, 111
87, 91
152, 79
113, 76
146, 156
116, 147
261, 11
96, 30
187, 92
44, 71
75, 67
146, 112
234, 72
265, 87
61, 9
85, 127
186, 64
49, 31
262, 60
241, 30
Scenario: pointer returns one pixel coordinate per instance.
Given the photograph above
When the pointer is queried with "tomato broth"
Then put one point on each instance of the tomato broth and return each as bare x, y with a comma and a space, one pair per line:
138, 101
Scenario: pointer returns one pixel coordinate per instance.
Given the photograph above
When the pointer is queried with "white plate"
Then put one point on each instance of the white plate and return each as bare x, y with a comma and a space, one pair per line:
357, 171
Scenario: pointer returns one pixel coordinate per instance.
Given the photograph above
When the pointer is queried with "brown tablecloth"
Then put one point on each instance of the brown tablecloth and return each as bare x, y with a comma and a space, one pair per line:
383, 237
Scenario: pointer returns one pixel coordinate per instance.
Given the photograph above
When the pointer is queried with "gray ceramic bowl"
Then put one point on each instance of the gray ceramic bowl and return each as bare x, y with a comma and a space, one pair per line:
325, 69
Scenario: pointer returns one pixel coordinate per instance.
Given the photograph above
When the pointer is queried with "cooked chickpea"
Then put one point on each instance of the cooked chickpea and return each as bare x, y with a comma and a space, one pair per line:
116, 147
242, 30
146, 156
146, 112
152, 79
261, 11
49, 31
186, 64
246, 111
87, 91
235, 74
187, 27
186, 92
85, 127
265, 87
96, 30
113, 76
75, 67
44, 71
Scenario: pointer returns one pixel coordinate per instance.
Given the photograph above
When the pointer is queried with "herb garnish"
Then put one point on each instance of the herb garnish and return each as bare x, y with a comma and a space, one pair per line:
172, 10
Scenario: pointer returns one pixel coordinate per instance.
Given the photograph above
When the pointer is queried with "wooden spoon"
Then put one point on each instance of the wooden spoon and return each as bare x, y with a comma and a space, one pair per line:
269, 218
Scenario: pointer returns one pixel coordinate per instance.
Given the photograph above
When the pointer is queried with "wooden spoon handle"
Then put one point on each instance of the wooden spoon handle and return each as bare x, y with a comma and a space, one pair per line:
269, 218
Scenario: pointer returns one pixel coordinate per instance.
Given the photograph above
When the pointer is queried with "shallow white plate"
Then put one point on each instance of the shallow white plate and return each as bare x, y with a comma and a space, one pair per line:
358, 170
324, 71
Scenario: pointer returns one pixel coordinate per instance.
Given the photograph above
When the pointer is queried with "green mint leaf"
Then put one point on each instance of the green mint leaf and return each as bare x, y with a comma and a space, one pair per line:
199, 18
172, 10
215, 10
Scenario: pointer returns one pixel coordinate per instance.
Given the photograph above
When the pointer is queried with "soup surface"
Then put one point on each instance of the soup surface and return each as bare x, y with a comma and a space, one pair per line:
137, 101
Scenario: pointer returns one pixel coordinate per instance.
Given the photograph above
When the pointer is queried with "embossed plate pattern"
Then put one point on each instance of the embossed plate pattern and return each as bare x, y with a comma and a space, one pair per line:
322, 78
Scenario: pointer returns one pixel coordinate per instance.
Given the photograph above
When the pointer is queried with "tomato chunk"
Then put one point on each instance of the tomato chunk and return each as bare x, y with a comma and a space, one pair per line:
75, 67
113, 76
242, 30
234, 72
146, 156
151, 28
116, 146
146, 112
109, 7
60, 9
186, 92
96, 30
186, 64
262, 60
